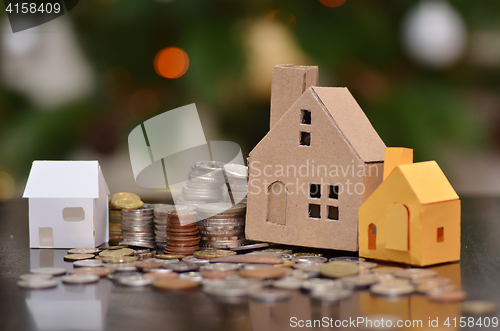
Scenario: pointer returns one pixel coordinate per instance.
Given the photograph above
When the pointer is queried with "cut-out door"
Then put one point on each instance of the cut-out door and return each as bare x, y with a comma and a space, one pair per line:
276, 204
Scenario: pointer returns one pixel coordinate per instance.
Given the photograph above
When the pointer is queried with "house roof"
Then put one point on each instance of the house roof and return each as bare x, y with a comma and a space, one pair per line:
428, 182
64, 179
352, 122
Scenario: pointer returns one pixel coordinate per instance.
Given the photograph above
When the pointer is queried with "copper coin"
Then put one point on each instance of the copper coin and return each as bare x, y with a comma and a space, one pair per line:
149, 265
265, 273
180, 250
159, 276
183, 238
179, 227
99, 271
182, 232
216, 274
175, 284
184, 244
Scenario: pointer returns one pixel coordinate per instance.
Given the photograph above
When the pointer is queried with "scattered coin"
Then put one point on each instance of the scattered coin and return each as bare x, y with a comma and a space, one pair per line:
76, 257
149, 265
88, 263
34, 276
221, 267
479, 307
212, 253
121, 267
361, 280
386, 270
260, 258
446, 295
309, 259
195, 276
270, 294
119, 259
277, 250
181, 266
168, 256
317, 284
110, 248
194, 259
337, 269
290, 283
265, 273
160, 276
117, 252
35, 284
347, 259
135, 281
80, 279
116, 276
426, 285
395, 287
416, 273
84, 251
49, 271
302, 254
99, 271
176, 284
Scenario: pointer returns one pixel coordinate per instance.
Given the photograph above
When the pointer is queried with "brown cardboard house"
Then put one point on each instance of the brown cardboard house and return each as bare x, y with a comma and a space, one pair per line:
312, 171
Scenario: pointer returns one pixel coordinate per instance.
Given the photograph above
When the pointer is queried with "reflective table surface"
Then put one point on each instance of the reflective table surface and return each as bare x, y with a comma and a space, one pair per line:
106, 306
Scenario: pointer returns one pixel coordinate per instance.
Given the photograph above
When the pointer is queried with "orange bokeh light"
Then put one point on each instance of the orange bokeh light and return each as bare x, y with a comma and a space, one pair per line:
332, 3
171, 62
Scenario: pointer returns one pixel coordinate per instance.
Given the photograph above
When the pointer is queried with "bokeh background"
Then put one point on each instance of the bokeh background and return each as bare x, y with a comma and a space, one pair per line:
426, 73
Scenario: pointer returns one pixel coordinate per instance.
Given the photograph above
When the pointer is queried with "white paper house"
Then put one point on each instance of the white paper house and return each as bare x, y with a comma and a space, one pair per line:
68, 204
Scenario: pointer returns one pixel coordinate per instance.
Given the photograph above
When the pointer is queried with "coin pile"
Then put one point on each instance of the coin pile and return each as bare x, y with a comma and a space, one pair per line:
221, 225
237, 178
115, 215
138, 227
182, 235
205, 183
161, 216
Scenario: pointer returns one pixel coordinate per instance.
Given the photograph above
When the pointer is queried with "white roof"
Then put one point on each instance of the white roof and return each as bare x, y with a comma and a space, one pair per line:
64, 179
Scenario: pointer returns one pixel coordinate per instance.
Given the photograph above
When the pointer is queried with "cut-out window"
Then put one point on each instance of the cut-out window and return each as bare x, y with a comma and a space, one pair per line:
305, 116
314, 211
315, 191
333, 191
333, 213
46, 237
372, 236
440, 235
73, 214
305, 138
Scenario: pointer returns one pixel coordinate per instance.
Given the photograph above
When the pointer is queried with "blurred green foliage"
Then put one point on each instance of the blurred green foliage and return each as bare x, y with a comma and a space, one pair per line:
357, 45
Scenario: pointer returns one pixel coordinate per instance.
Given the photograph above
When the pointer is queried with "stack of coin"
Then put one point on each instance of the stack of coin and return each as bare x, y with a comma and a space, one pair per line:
221, 225
237, 178
138, 227
161, 216
206, 183
115, 215
182, 233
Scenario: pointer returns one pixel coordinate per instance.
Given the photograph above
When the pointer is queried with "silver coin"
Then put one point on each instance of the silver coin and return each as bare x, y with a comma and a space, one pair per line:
135, 281
226, 288
181, 266
117, 275
347, 259
194, 276
80, 279
158, 271
290, 283
49, 271
34, 284
392, 289
34, 276
330, 294
416, 273
121, 267
223, 267
317, 284
270, 294
361, 280
193, 259
88, 263
236, 170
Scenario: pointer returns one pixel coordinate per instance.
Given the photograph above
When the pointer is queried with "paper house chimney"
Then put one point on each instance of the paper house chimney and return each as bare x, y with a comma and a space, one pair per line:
413, 217
68, 204
309, 175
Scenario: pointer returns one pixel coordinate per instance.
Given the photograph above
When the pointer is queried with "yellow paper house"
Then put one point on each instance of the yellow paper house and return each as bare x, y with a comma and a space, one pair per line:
413, 217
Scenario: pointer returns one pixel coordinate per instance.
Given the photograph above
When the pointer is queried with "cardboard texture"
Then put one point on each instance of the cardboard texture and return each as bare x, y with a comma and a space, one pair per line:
413, 217
395, 156
68, 204
309, 175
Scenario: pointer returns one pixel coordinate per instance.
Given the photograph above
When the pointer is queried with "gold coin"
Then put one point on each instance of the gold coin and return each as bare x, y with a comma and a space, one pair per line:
337, 269
124, 195
117, 252
119, 259
176, 284
128, 204
212, 253
479, 307
168, 256
302, 254
265, 273
113, 247
84, 251
76, 257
